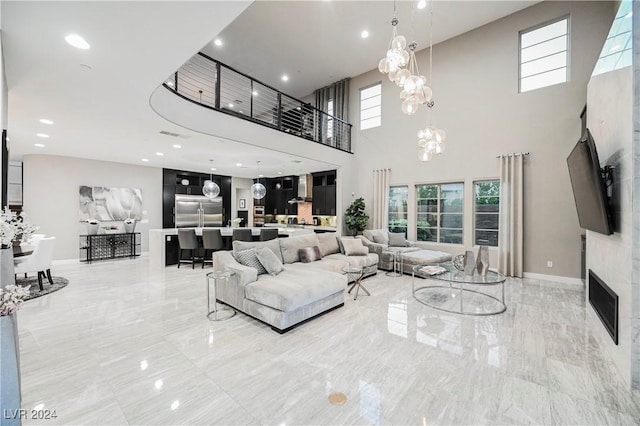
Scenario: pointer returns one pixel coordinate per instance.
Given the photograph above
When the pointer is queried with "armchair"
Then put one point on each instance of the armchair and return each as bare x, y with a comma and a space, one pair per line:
380, 240
39, 261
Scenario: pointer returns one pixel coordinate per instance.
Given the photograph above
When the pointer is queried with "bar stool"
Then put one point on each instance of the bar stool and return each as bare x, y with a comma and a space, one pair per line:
188, 241
211, 241
242, 235
267, 234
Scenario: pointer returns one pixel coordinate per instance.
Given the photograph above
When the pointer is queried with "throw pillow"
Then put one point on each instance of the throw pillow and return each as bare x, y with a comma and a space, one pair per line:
291, 245
397, 239
309, 254
328, 243
250, 258
269, 261
380, 236
354, 247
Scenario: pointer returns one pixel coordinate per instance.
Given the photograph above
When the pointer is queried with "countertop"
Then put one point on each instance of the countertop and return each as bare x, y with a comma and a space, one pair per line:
227, 232
299, 226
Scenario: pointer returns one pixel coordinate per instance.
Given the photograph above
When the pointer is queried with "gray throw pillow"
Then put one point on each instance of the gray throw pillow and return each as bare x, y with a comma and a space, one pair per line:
380, 236
354, 247
269, 261
309, 254
397, 239
250, 258
328, 243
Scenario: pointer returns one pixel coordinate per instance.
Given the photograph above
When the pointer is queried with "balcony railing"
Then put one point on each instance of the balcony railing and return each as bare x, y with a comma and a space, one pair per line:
214, 85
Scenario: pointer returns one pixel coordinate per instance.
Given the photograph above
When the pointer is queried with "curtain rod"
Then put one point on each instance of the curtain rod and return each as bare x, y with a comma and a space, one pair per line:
512, 154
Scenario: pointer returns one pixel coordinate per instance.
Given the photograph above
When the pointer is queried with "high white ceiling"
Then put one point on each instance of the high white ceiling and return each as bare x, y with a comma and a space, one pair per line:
99, 98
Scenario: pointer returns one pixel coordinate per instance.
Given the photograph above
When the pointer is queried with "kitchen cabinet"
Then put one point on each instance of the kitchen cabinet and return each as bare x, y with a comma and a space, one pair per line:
324, 193
279, 192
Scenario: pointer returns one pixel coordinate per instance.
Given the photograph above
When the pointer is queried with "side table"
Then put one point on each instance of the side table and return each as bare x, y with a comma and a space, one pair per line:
397, 253
225, 311
357, 273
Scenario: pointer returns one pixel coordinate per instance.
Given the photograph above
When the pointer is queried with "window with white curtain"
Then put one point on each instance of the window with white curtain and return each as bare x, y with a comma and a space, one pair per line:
544, 55
398, 214
486, 212
371, 106
440, 212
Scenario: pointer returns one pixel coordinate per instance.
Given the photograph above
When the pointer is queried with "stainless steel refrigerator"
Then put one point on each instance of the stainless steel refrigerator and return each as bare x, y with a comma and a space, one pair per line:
195, 211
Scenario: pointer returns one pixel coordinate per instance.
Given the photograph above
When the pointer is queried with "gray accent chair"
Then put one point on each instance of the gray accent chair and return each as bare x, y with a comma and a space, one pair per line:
242, 235
267, 234
188, 242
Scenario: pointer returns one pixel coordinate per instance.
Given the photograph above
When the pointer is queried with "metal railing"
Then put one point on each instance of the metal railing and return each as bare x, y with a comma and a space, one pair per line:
215, 85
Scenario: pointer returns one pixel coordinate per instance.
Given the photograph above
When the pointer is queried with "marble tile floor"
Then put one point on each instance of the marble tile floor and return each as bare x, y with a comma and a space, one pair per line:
125, 345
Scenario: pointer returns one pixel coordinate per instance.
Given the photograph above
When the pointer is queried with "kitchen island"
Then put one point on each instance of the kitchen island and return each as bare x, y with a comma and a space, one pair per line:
159, 238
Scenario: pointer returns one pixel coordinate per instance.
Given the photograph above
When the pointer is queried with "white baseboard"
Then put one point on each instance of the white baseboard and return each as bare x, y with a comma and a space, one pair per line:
554, 278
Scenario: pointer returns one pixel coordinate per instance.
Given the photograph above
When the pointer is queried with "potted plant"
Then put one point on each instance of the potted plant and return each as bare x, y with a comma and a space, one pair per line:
355, 216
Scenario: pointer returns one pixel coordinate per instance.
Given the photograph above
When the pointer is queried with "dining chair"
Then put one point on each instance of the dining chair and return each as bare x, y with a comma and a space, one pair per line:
211, 241
39, 261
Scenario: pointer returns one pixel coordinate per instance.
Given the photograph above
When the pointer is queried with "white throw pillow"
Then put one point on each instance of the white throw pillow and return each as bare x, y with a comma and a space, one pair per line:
354, 247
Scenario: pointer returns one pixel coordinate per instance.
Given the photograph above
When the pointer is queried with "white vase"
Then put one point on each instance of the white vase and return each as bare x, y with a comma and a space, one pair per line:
129, 227
92, 228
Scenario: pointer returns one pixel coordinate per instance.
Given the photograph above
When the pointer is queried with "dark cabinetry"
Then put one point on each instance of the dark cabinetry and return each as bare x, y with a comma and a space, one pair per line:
324, 193
279, 192
190, 183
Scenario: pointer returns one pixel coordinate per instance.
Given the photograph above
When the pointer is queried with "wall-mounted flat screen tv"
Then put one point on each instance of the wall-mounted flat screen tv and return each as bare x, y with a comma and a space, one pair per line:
589, 188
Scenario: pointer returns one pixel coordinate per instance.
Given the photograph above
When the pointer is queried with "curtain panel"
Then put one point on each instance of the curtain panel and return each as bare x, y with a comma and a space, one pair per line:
381, 180
510, 236
339, 93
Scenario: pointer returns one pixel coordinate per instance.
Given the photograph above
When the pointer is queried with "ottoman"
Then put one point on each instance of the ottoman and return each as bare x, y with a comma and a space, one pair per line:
420, 257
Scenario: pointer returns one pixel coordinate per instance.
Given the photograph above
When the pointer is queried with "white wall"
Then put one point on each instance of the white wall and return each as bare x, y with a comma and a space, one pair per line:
475, 84
241, 189
51, 201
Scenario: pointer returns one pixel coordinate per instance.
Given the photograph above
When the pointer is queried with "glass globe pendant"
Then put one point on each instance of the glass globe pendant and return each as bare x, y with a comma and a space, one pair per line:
258, 190
210, 189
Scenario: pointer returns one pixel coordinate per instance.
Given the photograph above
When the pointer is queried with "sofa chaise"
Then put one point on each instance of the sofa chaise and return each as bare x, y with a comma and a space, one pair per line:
302, 290
379, 241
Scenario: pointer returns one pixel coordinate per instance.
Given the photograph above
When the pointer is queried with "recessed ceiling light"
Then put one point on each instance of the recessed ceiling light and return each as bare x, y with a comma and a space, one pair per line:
77, 41
170, 83
285, 77
422, 4
230, 105
260, 175
239, 164
364, 34
39, 145
255, 93
217, 42
213, 169
146, 160
159, 154
176, 146
42, 135
279, 173
46, 121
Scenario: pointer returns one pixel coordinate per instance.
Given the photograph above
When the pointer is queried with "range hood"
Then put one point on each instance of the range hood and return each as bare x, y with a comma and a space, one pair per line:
305, 189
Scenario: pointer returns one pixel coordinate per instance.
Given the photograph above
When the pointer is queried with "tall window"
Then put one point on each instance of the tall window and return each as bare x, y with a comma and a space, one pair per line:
330, 119
486, 212
398, 215
440, 212
544, 53
371, 106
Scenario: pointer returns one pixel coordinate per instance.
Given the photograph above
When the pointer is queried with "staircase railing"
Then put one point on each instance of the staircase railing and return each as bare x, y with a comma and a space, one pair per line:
214, 85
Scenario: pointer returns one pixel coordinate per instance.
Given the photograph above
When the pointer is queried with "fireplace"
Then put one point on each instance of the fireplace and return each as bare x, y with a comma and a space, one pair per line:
605, 303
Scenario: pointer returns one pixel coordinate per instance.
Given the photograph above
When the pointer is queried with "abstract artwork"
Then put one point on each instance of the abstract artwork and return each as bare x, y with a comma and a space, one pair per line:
104, 204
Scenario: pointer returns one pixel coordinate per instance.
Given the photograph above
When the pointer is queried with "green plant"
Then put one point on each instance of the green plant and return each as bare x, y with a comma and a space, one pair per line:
355, 217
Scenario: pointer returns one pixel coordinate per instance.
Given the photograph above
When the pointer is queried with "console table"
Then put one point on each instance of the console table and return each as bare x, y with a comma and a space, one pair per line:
109, 246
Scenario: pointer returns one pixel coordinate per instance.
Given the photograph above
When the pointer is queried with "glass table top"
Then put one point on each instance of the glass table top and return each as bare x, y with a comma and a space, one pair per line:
451, 274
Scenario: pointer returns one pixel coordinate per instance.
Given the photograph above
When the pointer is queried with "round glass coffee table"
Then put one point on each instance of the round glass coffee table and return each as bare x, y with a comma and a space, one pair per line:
452, 293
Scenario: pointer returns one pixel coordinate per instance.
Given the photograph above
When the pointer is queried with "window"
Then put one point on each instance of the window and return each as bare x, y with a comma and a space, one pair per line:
616, 52
440, 212
398, 215
486, 212
544, 53
330, 118
370, 107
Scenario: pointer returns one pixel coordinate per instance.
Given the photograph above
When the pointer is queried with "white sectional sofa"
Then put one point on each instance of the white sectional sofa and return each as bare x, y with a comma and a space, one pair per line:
300, 291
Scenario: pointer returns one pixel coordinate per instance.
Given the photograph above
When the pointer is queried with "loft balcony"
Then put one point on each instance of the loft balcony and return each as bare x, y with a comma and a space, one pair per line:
214, 85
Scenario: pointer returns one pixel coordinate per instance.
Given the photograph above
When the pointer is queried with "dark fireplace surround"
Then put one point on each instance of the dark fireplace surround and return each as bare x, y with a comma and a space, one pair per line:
605, 303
